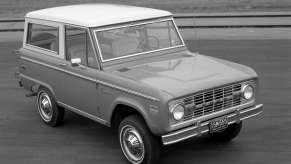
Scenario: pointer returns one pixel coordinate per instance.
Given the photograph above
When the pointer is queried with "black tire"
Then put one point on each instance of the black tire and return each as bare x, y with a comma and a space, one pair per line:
228, 134
51, 114
151, 144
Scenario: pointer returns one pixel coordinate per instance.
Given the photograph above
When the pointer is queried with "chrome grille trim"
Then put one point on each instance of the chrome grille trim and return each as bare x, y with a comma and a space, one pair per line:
212, 100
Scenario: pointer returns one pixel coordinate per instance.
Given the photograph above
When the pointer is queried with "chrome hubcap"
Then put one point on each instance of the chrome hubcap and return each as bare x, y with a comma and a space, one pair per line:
132, 144
44, 106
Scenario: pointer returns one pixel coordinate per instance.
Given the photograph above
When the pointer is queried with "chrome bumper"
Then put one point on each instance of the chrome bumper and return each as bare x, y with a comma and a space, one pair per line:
202, 127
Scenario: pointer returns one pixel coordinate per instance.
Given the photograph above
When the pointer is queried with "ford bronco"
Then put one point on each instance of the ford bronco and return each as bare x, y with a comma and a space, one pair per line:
128, 68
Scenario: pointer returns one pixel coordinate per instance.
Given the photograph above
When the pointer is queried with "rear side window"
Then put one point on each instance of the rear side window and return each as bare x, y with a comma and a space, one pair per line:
43, 36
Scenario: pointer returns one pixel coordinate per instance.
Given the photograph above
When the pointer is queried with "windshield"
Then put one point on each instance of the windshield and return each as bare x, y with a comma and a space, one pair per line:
121, 42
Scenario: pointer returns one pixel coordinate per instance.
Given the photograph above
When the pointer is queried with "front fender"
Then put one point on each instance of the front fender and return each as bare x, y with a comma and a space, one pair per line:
128, 102
143, 108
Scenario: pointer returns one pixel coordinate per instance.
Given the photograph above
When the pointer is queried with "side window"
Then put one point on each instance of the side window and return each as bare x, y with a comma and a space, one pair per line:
78, 45
43, 36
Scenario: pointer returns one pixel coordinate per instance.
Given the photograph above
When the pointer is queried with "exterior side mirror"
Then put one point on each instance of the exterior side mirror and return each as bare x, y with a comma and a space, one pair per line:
75, 62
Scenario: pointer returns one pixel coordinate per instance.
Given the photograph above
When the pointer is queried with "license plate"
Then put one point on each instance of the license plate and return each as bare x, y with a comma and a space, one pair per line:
218, 125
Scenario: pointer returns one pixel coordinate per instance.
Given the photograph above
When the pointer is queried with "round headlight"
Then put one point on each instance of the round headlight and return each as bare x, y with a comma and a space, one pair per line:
248, 92
178, 112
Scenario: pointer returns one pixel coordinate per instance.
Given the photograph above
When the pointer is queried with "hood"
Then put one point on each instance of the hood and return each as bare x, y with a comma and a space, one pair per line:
186, 74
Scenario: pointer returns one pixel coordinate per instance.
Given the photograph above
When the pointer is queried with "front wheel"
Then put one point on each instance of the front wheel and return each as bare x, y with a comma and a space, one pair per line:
228, 134
138, 144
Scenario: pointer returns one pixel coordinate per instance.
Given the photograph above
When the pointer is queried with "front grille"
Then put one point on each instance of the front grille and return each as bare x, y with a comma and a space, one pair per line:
212, 100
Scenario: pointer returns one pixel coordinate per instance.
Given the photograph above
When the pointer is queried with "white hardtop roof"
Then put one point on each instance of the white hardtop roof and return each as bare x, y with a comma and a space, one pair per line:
93, 15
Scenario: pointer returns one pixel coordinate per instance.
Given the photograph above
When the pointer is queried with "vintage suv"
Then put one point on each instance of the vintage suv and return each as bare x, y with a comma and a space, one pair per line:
128, 67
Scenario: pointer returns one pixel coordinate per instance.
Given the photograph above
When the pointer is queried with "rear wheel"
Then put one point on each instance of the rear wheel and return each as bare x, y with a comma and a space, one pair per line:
138, 144
48, 110
228, 134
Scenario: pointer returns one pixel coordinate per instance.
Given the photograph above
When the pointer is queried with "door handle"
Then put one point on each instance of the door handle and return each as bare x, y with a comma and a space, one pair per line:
82, 67
63, 64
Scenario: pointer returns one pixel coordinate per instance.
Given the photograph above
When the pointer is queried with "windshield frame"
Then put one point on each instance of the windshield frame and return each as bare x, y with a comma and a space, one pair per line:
128, 24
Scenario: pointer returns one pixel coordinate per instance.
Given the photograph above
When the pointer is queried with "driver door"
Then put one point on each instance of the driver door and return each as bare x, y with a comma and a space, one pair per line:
79, 88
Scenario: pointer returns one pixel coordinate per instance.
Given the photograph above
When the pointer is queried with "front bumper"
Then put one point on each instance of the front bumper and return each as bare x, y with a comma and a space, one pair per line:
202, 127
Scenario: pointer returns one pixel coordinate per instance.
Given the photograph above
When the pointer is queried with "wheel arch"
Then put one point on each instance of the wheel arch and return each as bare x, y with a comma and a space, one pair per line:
125, 107
35, 87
